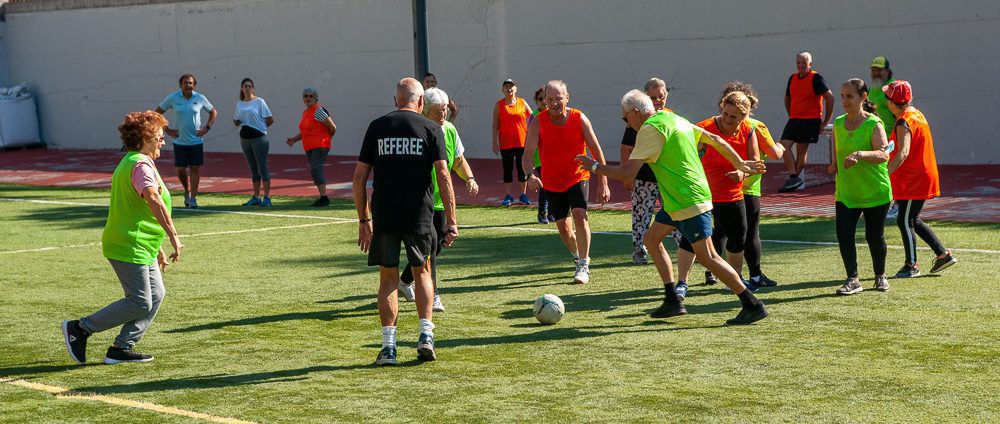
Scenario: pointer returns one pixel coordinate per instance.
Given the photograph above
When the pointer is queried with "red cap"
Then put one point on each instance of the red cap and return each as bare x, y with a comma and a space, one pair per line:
898, 91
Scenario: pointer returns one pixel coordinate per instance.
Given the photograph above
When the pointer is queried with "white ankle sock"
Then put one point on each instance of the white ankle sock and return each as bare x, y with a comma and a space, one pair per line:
389, 336
426, 326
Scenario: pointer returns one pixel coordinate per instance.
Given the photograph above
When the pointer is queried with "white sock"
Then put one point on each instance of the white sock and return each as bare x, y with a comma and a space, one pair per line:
426, 326
389, 336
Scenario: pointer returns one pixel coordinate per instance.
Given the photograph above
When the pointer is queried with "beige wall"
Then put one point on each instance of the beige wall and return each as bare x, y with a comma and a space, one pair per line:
90, 66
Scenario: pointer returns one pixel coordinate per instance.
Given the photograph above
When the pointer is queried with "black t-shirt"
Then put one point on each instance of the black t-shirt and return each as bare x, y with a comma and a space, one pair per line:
645, 173
819, 84
402, 147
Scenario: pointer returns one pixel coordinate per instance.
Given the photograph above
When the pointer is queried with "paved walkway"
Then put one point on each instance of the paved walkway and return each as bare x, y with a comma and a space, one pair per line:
971, 192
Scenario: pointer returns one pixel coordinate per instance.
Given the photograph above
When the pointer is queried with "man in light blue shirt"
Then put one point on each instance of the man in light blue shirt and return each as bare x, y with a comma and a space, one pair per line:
187, 105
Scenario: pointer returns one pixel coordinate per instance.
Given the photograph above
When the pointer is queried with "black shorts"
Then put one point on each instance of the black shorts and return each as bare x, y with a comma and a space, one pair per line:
185, 156
802, 130
384, 250
560, 203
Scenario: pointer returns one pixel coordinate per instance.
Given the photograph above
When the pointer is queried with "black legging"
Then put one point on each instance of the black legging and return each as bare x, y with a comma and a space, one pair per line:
543, 200
847, 226
752, 249
909, 223
512, 158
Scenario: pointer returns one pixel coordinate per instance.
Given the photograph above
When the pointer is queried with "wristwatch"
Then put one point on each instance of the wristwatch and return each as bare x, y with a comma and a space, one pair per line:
593, 168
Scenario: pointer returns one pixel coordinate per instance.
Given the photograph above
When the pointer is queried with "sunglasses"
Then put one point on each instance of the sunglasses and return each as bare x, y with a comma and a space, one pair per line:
308, 96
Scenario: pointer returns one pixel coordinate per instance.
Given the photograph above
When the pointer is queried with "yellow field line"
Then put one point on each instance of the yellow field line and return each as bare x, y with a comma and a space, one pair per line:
62, 392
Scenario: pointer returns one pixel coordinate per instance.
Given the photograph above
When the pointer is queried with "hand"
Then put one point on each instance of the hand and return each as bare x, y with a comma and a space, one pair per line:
473, 187
365, 235
735, 175
534, 183
585, 162
290, 141
603, 194
172, 132
831, 169
850, 160
450, 235
175, 241
496, 149
161, 260
752, 167
629, 185
201, 131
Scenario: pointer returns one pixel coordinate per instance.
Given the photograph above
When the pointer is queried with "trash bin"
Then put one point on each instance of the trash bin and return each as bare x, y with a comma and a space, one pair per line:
18, 122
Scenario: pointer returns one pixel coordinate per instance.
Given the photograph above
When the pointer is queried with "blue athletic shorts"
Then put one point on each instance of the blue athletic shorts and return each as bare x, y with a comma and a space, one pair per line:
185, 156
694, 229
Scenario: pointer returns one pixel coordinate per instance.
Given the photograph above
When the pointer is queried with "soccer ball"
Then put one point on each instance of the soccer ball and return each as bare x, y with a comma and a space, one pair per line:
549, 309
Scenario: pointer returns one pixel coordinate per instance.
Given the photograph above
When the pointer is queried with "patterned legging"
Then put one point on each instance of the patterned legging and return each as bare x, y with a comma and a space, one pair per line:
644, 197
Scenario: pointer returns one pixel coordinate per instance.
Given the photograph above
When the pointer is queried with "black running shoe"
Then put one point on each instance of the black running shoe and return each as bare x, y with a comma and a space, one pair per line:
710, 279
793, 183
908, 271
941, 264
425, 347
386, 356
321, 202
117, 355
766, 282
76, 340
671, 307
749, 315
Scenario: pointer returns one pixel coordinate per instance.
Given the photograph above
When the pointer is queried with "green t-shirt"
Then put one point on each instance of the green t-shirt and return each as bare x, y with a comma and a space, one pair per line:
450, 144
877, 96
865, 184
537, 161
679, 174
132, 233
751, 185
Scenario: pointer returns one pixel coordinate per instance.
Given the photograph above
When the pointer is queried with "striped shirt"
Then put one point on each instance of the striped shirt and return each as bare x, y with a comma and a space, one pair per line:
321, 114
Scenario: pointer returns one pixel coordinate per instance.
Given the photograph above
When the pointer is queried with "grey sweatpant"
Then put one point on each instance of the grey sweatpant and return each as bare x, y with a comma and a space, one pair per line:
143, 293
255, 150
316, 159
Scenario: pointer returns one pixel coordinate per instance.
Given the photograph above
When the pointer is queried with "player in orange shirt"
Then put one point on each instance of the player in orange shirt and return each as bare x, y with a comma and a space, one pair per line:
914, 177
510, 125
809, 104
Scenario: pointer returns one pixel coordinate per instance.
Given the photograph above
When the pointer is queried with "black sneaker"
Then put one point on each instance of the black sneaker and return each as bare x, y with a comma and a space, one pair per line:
321, 202
425, 347
76, 340
908, 271
671, 307
766, 282
941, 264
117, 355
749, 315
793, 183
386, 356
710, 279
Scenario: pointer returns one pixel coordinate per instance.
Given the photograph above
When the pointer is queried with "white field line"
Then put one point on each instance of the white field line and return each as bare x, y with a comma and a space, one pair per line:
544, 230
62, 392
217, 233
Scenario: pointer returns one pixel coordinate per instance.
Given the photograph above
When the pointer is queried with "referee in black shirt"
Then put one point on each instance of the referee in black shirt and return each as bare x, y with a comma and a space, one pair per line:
401, 148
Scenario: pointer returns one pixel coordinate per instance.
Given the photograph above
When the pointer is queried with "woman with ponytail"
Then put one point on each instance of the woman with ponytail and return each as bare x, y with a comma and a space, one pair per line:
862, 179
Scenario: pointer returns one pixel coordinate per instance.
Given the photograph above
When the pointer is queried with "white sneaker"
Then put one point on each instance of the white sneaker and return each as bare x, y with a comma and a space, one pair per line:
406, 290
582, 275
438, 306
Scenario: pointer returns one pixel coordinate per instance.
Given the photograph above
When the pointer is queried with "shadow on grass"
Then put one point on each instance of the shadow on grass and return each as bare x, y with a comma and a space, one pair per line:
33, 369
360, 311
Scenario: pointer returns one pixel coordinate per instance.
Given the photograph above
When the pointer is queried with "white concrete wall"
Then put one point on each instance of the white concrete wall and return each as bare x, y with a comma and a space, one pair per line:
949, 51
3, 54
91, 66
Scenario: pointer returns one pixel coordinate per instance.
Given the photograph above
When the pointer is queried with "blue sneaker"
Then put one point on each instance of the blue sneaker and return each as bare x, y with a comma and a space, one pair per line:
192, 203
254, 201
682, 290
507, 200
425, 347
266, 201
386, 356
542, 219
524, 199
750, 285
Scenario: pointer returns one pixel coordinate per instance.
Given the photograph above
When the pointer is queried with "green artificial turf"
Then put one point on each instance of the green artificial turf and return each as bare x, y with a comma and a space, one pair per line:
280, 326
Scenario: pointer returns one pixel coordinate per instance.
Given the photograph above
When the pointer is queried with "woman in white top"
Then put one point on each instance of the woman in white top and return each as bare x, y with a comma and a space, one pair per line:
252, 118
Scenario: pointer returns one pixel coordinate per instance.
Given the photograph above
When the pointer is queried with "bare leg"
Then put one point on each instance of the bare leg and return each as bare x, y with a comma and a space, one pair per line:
423, 287
735, 261
801, 153
256, 189
524, 187
183, 176
788, 156
582, 233
685, 261
388, 306
195, 180
567, 235
322, 189
653, 240
267, 188
506, 188
708, 257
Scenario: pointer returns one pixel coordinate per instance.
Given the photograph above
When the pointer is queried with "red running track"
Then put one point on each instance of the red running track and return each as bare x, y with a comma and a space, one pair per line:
970, 192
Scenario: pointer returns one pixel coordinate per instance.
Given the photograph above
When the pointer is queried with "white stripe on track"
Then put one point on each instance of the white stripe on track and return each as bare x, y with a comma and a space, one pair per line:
64, 393
508, 228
